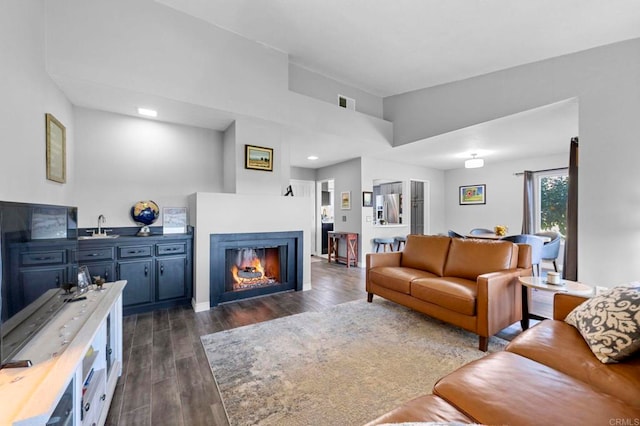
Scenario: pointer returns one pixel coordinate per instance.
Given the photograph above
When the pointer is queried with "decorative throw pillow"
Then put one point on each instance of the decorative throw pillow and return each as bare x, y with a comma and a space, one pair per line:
610, 323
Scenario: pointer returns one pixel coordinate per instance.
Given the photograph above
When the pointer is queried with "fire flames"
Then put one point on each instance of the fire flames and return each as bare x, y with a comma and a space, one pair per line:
249, 273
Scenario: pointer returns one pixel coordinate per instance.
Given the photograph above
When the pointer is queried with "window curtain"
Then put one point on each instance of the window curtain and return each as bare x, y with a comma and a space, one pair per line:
570, 269
527, 207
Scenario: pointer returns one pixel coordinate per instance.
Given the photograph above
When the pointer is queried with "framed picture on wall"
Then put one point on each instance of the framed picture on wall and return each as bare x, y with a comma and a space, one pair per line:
473, 194
258, 158
367, 199
56, 136
345, 200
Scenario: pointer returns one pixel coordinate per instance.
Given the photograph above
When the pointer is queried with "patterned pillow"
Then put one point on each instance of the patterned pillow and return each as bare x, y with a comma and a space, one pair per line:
610, 322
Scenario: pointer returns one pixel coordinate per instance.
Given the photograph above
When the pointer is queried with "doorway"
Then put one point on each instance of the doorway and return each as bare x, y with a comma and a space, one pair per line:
325, 222
419, 208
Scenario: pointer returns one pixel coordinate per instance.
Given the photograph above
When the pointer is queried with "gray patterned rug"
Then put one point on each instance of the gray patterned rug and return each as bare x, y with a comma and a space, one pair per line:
346, 365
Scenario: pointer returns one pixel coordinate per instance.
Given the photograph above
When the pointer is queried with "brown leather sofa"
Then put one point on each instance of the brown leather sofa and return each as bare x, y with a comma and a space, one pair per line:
546, 376
470, 283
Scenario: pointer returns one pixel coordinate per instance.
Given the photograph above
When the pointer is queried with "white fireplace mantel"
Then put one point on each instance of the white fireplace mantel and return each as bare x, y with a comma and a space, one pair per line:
219, 213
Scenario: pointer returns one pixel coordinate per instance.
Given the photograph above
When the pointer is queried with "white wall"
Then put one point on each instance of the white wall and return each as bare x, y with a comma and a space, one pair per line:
504, 194
606, 80
27, 94
373, 169
326, 89
121, 160
240, 213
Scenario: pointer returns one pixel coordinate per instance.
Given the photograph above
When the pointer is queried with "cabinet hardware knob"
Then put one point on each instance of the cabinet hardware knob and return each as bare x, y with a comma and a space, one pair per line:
161, 269
44, 258
87, 406
146, 270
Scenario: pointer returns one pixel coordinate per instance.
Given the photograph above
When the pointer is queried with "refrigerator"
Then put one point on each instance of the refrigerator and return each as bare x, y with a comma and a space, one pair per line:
388, 208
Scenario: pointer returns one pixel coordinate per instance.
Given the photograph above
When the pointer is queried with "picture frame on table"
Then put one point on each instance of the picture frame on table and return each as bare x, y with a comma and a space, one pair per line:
56, 156
258, 158
174, 220
473, 194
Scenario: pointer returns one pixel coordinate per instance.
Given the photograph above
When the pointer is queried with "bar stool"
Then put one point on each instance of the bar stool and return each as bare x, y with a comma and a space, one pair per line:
384, 242
400, 241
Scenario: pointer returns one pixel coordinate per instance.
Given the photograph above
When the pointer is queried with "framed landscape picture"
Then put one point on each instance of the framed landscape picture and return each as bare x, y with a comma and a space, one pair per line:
56, 136
473, 194
258, 158
345, 200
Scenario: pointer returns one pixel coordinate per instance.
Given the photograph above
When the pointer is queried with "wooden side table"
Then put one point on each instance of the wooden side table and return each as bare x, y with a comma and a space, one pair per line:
351, 241
565, 286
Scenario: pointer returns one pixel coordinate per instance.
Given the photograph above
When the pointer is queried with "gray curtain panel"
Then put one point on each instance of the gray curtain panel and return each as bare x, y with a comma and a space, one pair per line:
527, 208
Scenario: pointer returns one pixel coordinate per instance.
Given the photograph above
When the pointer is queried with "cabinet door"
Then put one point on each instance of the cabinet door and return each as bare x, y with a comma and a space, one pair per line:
105, 270
37, 281
139, 278
171, 278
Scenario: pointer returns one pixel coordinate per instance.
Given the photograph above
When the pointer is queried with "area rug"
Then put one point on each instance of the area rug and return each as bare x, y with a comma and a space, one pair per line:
345, 365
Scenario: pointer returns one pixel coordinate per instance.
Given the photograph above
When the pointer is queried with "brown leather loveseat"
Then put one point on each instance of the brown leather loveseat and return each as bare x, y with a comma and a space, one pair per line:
547, 375
470, 283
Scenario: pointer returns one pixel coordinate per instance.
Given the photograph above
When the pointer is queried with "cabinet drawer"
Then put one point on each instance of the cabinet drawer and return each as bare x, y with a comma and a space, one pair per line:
54, 257
175, 248
134, 251
90, 255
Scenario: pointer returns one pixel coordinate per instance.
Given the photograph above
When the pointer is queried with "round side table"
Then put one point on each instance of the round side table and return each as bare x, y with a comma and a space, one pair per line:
565, 286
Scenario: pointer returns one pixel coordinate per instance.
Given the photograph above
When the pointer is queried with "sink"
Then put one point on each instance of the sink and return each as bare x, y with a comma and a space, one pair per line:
98, 237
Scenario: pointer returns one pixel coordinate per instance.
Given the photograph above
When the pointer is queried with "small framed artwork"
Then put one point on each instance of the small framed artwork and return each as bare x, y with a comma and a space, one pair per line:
473, 194
174, 220
84, 279
56, 136
258, 158
345, 200
367, 199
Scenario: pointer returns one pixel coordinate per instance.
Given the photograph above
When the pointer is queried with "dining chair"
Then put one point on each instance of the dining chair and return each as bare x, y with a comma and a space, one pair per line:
480, 231
536, 244
551, 248
454, 234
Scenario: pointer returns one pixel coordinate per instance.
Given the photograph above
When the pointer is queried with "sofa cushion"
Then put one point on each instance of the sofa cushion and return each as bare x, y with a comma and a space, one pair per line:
455, 294
610, 322
561, 347
508, 389
426, 252
396, 278
469, 257
426, 408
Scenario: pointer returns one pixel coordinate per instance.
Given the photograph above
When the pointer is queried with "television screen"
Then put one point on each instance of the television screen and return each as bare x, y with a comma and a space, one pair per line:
37, 256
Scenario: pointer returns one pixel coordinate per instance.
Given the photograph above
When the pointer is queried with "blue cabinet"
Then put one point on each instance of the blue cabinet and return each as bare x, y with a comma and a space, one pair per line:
158, 269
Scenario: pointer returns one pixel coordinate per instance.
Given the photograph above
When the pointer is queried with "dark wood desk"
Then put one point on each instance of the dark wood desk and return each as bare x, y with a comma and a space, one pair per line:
351, 241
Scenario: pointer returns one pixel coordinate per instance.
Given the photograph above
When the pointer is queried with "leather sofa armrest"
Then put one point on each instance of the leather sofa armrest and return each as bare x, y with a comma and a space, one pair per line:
563, 304
383, 259
499, 301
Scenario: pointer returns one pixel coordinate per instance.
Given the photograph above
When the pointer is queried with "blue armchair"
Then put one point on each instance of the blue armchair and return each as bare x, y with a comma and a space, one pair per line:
536, 244
551, 248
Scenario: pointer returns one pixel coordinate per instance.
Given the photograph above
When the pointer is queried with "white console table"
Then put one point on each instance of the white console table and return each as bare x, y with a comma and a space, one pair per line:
77, 359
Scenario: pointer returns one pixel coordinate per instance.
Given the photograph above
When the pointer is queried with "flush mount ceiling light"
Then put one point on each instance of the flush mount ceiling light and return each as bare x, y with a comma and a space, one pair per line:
473, 163
312, 157
147, 112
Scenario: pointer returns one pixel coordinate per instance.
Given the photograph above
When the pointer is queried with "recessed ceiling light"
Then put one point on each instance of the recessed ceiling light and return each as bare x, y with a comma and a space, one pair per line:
147, 112
312, 157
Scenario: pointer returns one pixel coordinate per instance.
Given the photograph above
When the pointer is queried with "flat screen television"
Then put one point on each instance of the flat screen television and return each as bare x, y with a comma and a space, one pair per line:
38, 245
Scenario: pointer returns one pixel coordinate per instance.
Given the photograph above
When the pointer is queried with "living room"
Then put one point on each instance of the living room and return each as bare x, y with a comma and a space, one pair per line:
91, 64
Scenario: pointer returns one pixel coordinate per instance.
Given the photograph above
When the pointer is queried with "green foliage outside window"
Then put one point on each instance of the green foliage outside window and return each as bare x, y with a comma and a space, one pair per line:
553, 203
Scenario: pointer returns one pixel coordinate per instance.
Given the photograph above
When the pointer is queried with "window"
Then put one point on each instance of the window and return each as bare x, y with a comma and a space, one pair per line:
551, 201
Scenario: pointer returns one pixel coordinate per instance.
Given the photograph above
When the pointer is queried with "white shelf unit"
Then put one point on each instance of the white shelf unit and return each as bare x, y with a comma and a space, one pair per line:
84, 339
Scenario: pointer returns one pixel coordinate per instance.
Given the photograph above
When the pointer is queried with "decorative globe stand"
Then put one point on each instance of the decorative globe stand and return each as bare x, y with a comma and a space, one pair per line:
145, 213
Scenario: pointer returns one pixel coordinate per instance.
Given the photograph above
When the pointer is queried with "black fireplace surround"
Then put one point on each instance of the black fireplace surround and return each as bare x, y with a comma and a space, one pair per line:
285, 249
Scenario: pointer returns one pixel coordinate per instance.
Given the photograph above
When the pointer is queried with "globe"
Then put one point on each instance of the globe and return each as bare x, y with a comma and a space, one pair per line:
145, 213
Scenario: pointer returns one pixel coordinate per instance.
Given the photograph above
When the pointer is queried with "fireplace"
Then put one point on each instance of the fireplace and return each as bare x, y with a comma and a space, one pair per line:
254, 264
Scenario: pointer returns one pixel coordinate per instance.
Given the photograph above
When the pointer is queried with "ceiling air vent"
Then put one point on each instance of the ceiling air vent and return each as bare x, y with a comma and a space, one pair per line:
347, 103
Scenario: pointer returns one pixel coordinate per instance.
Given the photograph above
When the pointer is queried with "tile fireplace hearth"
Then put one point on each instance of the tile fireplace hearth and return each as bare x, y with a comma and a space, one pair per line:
254, 264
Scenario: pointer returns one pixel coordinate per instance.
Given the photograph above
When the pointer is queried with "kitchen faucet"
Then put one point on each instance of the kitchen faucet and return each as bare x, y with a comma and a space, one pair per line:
101, 220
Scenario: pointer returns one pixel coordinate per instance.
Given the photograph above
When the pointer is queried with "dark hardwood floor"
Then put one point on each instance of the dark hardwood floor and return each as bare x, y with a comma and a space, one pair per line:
166, 379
